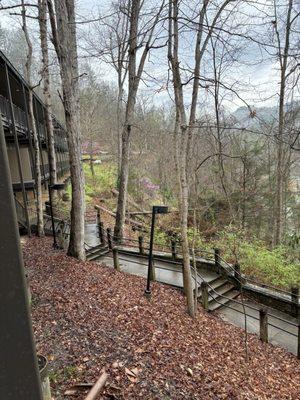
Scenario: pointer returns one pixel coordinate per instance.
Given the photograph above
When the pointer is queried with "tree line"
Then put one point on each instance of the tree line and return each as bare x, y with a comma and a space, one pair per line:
168, 111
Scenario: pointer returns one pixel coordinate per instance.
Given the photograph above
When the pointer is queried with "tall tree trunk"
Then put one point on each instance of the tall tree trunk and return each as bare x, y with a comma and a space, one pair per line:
32, 123
64, 38
42, 6
184, 128
181, 130
120, 122
129, 115
134, 77
283, 59
244, 160
219, 133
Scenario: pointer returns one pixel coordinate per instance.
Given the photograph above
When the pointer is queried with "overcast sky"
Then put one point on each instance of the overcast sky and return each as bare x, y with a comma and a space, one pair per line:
258, 79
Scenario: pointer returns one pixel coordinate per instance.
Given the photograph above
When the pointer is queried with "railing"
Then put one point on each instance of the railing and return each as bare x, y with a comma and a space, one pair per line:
232, 272
222, 265
19, 115
21, 125
62, 167
263, 315
21, 213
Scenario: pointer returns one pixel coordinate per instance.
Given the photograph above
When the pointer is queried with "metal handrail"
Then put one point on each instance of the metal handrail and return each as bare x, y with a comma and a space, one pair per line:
250, 307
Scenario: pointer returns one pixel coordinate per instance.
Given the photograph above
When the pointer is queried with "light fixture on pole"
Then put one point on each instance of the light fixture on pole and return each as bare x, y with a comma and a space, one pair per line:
155, 210
56, 186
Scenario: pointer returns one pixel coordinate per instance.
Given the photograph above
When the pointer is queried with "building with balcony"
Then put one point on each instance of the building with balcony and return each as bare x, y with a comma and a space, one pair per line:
19, 141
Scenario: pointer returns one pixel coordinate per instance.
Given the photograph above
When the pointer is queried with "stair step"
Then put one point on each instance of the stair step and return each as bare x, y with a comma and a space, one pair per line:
94, 249
217, 281
216, 284
96, 255
221, 301
222, 290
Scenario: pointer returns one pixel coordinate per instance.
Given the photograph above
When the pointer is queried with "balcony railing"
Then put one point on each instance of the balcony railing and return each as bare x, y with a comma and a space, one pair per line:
21, 125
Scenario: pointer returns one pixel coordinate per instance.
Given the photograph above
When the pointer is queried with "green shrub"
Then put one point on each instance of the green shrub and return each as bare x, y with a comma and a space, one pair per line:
273, 266
103, 181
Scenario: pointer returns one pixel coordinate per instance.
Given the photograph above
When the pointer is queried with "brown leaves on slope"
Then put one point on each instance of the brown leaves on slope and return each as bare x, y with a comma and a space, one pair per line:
88, 317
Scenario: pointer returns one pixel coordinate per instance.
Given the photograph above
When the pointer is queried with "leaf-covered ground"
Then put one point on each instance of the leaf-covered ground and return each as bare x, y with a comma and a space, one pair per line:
88, 317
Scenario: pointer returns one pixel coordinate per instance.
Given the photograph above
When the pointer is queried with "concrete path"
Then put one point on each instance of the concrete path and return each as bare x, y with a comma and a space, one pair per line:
165, 272
170, 274
282, 333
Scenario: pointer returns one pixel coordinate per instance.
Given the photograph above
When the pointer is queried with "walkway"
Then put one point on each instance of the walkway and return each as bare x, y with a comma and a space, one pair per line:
168, 274
171, 274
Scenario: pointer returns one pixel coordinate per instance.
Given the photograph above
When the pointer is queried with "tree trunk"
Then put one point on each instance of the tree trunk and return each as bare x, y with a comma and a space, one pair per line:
37, 159
120, 123
130, 106
46, 89
181, 152
65, 45
278, 232
32, 124
184, 206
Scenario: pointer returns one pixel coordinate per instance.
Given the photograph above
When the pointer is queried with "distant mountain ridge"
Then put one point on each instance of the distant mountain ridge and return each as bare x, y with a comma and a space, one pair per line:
262, 114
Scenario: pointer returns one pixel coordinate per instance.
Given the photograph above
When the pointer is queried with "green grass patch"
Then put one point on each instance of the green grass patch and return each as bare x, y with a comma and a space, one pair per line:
102, 182
279, 266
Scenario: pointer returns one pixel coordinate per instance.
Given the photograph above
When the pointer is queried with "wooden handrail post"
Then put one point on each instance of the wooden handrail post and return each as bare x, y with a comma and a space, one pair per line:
141, 244
295, 301
98, 217
217, 260
263, 325
173, 249
298, 351
109, 241
101, 232
116, 258
204, 294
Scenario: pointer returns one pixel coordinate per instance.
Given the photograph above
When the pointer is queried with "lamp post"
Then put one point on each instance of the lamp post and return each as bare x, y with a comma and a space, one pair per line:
155, 210
56, 186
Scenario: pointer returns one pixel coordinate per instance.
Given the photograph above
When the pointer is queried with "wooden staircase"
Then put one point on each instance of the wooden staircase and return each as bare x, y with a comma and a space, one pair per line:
96, 252
220, 292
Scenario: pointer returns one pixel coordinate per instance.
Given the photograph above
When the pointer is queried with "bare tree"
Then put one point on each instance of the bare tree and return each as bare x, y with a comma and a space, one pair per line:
32, 122
64, 40
184, 124
109, 42
134, 77
284, 54
42, 17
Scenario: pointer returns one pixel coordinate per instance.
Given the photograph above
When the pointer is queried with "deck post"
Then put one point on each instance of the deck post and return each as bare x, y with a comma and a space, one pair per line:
204, 294
217, 260
298, 351
263, 325
98, 222
295, 301
141, 244
98, 217
101, 232
109, 241
173, 249
116, 258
